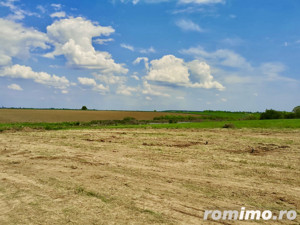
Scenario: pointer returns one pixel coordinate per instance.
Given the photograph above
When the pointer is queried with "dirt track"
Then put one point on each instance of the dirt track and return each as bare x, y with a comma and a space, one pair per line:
146, 176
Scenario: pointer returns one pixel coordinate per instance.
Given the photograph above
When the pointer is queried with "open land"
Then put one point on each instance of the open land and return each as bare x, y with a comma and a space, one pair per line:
146, 176
53, 116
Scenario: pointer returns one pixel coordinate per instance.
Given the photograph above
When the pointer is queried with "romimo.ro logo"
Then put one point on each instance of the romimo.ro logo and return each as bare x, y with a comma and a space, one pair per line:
249, 215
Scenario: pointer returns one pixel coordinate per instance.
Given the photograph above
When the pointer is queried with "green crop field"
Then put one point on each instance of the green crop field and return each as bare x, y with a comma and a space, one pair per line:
222, 114
272, 124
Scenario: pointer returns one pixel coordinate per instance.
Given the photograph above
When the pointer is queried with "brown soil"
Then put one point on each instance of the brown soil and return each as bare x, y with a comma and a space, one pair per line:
51, 116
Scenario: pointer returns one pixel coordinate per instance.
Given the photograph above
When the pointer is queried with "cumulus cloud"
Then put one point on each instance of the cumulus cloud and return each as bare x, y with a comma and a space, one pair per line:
58, 14
72, 38
93, 84
223, 57
170, 70
202, 74
18, 41
188, 25
15, 87
87, 81
26, 72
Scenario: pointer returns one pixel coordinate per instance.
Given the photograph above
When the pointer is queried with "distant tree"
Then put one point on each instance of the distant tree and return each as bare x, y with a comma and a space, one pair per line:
84, 108
271, 114
296, 109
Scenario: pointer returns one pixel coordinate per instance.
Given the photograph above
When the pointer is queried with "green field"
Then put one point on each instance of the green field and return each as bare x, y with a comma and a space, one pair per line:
222, 115
279, 124
273, 124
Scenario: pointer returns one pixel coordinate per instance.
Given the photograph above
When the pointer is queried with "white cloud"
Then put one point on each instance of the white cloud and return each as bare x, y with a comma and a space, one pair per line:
72, 38
141, 50
148, 98
18, 13
266, 72
237, 79
15, 87
201, 2
223, 57
135, 77
58, 14
87, 81
92, 83
56, 6
232, 41
188, 25
101, 88
124, 90
126, 46
18, 41
149, 89
223, 99
190, 9
101, 41
26, 72
147, 50
180, 98
202, 74
139, 59
272, 71
170, 70
41, 8
110, 79
134, 2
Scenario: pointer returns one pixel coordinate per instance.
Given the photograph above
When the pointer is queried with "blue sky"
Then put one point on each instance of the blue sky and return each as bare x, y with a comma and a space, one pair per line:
150, 54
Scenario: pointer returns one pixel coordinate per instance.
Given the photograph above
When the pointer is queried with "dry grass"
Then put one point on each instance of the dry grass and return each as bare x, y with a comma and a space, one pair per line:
52, 116
146, 176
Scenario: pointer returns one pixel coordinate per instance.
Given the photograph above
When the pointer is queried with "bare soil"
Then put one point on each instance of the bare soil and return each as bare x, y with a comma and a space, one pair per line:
146, 176
53, 116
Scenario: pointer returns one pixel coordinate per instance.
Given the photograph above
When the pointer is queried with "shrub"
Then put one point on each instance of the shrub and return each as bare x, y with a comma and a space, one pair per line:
270, 114
173, 121
229, 125
289, 115
251, 117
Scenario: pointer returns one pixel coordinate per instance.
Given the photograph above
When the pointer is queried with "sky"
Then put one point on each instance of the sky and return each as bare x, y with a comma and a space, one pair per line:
236, 55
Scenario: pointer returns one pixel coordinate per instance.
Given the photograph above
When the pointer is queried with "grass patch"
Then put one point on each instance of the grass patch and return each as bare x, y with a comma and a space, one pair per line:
82, 191
273, 124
